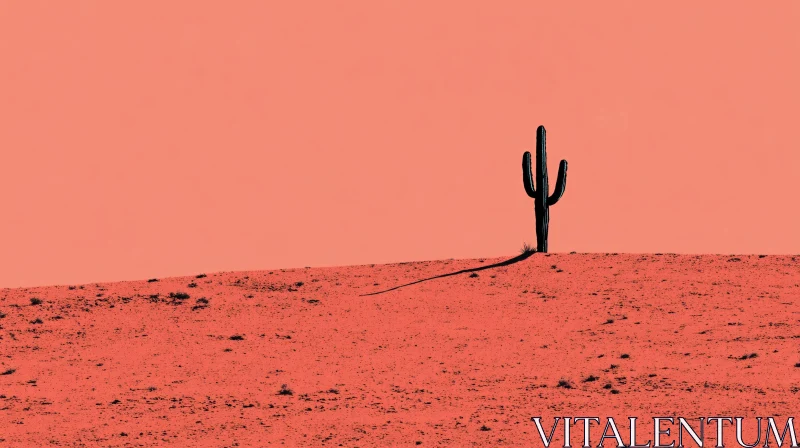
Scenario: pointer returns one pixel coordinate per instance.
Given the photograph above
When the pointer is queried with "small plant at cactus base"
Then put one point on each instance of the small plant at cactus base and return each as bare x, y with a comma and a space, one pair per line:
540, 191
526, 248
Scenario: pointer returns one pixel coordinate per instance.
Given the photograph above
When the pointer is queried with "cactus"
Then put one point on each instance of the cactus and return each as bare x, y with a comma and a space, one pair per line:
542, 201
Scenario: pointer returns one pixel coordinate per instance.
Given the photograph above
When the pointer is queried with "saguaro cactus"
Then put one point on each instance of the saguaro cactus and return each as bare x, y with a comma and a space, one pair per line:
542, 201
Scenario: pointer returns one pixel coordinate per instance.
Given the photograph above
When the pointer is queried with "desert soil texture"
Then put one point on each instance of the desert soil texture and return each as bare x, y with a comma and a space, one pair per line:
300, 357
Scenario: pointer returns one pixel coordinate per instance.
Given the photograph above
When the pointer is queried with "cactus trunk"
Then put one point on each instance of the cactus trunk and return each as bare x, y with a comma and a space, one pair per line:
542, 224
540, 191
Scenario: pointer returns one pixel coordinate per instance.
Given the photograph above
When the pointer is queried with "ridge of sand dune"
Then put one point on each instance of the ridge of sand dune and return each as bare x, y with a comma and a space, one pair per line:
297, 356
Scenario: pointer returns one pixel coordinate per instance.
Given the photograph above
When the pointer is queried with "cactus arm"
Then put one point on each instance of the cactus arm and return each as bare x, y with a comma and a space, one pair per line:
561, 184
527, 178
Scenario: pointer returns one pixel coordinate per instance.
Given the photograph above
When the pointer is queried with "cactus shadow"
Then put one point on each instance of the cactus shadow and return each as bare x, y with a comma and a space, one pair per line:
516, 259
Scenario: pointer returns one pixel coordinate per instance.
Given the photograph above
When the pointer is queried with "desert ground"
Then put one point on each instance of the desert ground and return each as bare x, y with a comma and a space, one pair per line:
300, 357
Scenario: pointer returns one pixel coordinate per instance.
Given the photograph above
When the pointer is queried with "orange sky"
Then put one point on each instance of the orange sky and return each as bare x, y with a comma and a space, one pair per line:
151, 138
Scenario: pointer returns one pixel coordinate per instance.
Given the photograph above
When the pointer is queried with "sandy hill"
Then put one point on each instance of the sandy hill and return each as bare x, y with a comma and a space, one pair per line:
300, 356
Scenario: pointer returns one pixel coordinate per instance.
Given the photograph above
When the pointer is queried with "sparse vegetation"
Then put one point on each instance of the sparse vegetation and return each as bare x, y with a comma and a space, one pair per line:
236, 337
152, 280
202, 302
285, 390
8, 372
36, 301
564, 384
201, 276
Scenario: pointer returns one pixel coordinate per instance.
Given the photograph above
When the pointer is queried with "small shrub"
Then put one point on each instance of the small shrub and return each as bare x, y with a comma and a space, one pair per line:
565, 384
485, 428
590, 378
236, 337
8, 372
473, 275
285, 390
625, 356
179, 295
201, 276
36, 301
152, 280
